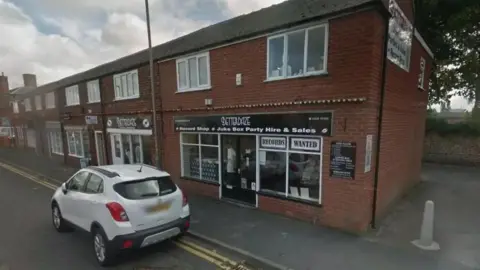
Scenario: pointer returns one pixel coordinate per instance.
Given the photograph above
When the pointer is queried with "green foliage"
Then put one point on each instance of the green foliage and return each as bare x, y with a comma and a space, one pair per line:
452, 30
441, 127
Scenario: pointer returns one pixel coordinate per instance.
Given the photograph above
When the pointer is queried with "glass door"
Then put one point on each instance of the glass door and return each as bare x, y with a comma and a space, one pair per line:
117, 149
239, 168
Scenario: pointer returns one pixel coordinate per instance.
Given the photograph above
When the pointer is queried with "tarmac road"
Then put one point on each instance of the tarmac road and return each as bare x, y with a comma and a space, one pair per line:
28, 240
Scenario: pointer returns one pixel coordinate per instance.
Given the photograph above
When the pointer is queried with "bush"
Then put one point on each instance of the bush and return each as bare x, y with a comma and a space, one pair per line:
442, 128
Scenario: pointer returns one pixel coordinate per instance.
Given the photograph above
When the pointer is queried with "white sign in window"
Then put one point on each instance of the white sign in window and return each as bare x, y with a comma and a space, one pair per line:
298, 53
273, 142
305, 144
400, 33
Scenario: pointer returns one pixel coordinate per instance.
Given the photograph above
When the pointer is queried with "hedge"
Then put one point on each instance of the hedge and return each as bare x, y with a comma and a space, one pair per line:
442, 128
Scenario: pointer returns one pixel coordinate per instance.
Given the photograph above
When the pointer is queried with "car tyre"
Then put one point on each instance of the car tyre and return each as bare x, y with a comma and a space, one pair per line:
103, 251
58, 222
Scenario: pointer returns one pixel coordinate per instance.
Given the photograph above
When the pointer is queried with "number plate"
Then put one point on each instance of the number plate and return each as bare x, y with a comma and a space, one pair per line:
164, 206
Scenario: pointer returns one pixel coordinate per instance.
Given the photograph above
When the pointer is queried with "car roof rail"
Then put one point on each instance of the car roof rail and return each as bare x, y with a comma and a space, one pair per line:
107, 173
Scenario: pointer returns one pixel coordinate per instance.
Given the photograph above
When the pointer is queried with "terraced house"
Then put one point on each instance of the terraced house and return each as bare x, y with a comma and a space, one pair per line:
312, 109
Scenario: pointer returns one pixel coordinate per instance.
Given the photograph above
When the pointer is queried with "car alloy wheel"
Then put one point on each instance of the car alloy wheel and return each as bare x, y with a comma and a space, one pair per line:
56, 217
99, 245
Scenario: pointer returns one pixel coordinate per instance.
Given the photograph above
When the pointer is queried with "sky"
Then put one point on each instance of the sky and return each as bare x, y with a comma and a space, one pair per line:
57, 38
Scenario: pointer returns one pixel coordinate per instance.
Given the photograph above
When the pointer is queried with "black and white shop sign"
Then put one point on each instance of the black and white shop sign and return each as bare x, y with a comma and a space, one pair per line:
305, 144
129, 122
273, 142
319, 123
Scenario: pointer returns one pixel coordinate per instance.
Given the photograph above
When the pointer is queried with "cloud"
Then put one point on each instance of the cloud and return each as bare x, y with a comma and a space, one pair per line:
57, 38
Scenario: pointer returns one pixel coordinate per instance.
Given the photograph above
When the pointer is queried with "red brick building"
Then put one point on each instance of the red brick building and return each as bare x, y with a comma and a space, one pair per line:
310, 109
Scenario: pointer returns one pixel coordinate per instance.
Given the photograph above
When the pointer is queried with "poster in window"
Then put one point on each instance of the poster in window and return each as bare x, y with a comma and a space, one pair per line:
342, 160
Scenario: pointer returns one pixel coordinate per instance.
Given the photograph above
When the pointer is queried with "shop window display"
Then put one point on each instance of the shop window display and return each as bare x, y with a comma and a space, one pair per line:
200, 156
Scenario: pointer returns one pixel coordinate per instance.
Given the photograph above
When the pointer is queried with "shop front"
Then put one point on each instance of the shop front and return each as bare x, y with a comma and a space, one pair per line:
248, 155
130, 139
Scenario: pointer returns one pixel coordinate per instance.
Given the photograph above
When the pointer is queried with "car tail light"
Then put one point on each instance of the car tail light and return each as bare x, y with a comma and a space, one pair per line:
184, 199
117, 211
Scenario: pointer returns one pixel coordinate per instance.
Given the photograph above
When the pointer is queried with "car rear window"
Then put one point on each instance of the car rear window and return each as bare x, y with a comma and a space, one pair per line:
145, 188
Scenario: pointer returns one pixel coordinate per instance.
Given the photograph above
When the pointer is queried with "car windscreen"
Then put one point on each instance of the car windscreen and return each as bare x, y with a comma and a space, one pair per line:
145, 188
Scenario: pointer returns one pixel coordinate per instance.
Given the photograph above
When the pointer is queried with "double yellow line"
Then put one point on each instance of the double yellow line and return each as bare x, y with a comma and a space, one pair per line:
211, 256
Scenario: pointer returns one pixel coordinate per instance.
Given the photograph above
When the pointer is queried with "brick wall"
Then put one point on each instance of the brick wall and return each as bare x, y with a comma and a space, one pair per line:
457, 150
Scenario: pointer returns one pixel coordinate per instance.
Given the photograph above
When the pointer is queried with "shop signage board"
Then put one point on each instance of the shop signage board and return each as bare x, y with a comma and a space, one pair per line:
130, 122
319, 123
400, 34
91, 119
342, 160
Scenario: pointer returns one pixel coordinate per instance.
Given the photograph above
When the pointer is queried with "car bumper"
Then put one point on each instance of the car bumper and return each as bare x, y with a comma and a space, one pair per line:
151, 236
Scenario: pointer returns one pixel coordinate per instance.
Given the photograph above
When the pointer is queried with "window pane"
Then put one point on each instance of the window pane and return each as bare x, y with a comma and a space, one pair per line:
273, 171
118, 88
137, 149
78, 143
149, 188
147, 148
275, 57
296, 53
209, 139
78, 181
135, 84
127, 152
71, 143
190, 138
124, 86
93, 184
182, 74
304, 176
210, 166
316, 49
130, 84
193, 72
191, 163
203, 70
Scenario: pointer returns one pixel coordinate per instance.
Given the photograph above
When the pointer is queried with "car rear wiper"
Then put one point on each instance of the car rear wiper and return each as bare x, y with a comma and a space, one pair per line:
150, 195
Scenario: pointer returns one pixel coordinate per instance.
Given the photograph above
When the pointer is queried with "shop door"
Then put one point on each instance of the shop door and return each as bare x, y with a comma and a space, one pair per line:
117, 149
239, 168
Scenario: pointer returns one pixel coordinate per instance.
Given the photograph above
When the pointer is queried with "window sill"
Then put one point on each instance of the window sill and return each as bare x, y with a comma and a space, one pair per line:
200, 181
319, 74
75, 156
72, 105
50, 108
58, 154
206, 88
126, 98
292, 199
93, 102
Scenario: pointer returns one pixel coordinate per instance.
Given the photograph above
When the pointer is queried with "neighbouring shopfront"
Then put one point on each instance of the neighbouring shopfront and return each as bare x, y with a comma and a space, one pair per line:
130, 139
247, 155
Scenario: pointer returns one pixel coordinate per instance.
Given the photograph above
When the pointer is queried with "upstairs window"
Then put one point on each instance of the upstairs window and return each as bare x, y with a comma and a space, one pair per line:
50, 100
72, 97
38, 103
126, 85
297, 53
193, 73
15, 107
93, 91
28, 105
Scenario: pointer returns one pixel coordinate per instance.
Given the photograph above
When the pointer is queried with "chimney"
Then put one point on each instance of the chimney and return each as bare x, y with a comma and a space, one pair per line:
3, 84
30, 80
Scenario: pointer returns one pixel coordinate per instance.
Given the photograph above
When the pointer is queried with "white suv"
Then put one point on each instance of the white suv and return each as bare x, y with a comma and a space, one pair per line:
122, 206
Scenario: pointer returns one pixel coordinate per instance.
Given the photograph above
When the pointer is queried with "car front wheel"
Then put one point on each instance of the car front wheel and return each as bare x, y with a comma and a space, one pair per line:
58, 221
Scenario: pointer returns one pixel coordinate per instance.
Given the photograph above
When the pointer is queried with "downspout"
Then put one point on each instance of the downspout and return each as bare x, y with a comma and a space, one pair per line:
160, 113
380, 122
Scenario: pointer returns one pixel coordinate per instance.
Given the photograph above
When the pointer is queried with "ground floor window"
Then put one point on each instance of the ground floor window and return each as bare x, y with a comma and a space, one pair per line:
131, 149
31, 138
200, 156
75, 143
20, 133
56, 143
290, 166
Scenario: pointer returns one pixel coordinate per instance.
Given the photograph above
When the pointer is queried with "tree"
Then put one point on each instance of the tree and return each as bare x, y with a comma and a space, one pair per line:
452, 30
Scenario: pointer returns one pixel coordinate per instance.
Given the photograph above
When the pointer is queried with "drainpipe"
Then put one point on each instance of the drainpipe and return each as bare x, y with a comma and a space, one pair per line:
380, 120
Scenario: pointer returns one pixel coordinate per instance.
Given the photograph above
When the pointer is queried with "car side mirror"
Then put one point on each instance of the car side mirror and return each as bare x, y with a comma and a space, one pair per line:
64, 188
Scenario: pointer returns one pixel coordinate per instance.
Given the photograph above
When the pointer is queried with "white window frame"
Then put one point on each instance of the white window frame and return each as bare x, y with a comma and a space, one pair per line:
15, 107
28, 104
206, 86
199, 145
72, 96
93, 91
50, 100
74, 153
56, 135
118, 87
38, 103
305, 57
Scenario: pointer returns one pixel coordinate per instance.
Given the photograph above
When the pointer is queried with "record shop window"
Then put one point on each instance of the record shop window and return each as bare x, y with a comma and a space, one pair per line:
200, 159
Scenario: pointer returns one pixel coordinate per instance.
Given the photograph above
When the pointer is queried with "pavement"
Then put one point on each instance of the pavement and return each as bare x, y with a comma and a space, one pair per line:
277, 241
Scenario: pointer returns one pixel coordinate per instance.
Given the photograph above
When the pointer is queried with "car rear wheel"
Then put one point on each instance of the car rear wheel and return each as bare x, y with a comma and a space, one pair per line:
58, 221
103, 253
